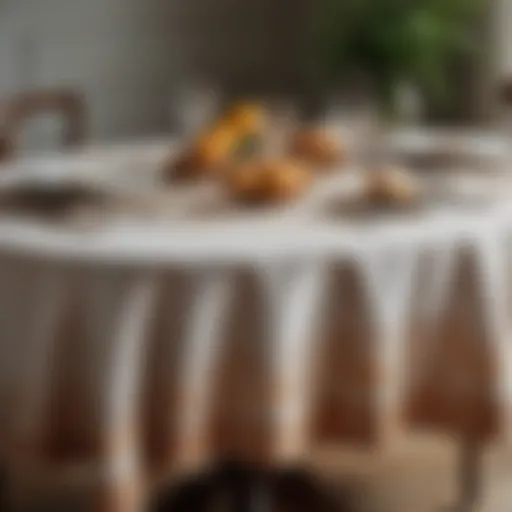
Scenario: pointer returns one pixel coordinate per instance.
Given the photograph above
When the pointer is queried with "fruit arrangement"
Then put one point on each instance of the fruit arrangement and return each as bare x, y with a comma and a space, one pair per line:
268, 180
219, 144
233, 151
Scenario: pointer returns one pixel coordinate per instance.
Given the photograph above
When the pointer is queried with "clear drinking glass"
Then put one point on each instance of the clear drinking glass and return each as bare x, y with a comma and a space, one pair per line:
353, 121
196, 105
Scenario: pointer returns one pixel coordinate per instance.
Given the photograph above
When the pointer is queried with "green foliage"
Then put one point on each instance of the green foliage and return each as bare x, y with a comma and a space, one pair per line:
392, 41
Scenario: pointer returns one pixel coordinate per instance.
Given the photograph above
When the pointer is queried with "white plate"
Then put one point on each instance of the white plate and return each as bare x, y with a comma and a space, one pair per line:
450, 145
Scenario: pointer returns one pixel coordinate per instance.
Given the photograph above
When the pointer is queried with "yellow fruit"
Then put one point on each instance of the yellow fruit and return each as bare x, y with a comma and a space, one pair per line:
246, 118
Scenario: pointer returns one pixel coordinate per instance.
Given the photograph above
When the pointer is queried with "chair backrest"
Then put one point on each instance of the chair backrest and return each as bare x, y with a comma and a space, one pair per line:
505, 91
19, 109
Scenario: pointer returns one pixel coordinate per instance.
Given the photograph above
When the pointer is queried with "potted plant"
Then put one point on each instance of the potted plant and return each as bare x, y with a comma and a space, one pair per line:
395, 43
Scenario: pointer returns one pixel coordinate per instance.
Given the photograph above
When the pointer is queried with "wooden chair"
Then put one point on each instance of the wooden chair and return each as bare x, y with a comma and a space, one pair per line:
505, 91
18, 110
15, 112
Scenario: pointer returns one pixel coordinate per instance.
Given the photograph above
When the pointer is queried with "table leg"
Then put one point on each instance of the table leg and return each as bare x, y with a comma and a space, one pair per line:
3, 490
470, 475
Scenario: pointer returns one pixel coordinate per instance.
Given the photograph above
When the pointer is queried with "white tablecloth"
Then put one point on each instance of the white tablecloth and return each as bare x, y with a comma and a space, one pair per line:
173, 340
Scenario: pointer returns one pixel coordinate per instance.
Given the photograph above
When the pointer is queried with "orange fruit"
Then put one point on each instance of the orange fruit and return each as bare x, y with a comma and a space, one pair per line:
268, 181
246, 118
315, 146
285, 179
215, 148
245, 182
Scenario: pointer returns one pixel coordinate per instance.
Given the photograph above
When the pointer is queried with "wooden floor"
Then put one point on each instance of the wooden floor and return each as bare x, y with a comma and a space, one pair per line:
419, 476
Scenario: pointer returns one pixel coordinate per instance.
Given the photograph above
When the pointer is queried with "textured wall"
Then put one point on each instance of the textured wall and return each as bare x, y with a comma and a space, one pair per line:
127, 55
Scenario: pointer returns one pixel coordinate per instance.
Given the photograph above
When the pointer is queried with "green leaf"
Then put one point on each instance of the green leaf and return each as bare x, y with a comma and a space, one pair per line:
395, 40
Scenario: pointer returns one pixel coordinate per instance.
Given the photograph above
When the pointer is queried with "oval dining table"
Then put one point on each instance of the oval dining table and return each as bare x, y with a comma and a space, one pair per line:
150, 344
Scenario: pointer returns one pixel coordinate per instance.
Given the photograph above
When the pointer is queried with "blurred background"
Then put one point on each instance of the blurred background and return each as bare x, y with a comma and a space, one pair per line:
130, 58
127, 69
